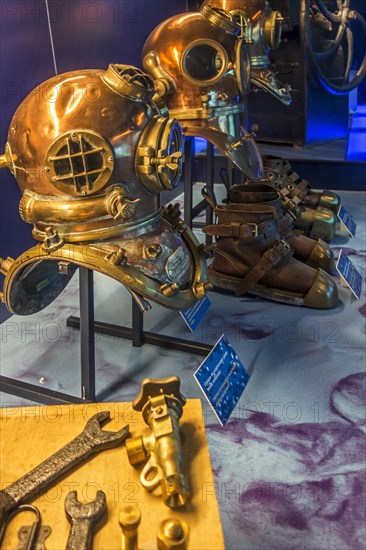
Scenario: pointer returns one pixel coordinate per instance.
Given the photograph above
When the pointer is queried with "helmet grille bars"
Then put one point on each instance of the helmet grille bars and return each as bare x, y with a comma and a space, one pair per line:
81, 159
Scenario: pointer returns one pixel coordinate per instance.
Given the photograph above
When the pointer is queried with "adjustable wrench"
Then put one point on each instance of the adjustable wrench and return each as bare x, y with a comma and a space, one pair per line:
84, 519
91, 440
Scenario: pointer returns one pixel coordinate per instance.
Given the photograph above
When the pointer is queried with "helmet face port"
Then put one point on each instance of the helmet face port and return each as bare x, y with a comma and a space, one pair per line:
204, 62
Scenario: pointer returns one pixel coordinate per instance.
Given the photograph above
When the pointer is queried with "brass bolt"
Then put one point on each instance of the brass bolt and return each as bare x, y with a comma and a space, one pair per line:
153, 250
173, 211
173, 529
64, 268
200, 289
169, 290
52, 240
5, 265
234, 145
129, 520
117, 256
172, 534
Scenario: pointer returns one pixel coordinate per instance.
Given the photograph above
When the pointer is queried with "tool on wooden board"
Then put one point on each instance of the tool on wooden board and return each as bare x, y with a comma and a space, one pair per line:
31, 537
161, 404
86, 519
89, 442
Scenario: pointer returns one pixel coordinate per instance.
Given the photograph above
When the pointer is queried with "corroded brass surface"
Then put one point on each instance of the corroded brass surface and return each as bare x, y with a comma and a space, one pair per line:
140, 274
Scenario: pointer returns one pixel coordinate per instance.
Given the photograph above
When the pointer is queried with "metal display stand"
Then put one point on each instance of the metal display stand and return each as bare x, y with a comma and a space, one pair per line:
88, 326
190, 211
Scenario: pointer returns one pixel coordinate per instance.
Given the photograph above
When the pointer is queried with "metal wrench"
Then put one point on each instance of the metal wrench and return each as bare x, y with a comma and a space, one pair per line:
84, 519
91, 440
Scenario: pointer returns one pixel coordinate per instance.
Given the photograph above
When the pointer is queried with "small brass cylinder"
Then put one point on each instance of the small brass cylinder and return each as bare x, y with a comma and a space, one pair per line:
5, 265
135, 450
129, 520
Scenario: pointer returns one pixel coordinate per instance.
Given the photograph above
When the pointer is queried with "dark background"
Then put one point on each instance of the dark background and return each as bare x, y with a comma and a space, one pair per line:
87, 34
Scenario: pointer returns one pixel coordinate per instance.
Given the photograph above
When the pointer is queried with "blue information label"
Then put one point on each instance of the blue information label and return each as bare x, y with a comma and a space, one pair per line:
349, 274
194, 315
346, 219
222, 378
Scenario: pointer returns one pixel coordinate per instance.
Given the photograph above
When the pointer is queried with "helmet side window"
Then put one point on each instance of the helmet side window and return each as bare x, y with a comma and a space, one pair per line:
204, 61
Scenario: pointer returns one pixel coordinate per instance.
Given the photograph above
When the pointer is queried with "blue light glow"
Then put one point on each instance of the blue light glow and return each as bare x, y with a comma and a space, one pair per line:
356, 149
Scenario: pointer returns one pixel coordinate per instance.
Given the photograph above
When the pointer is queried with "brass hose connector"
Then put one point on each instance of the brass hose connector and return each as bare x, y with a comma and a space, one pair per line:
7, 159
161, 404
163, 82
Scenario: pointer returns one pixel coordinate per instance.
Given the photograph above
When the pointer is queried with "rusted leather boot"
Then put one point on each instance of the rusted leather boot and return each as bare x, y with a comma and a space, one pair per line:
251, 256
316, 212
315, 253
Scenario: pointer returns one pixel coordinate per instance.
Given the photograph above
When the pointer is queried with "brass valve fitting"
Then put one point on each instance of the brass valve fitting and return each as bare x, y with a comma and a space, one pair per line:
161, 404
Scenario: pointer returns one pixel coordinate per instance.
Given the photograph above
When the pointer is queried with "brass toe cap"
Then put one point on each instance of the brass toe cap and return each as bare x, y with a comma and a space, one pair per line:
323, 293
330, 200
324, 225
322, 257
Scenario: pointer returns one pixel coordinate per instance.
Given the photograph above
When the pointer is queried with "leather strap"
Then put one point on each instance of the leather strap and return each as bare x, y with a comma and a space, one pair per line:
270, 259
297, 185
292, 202
242, 196
242, 230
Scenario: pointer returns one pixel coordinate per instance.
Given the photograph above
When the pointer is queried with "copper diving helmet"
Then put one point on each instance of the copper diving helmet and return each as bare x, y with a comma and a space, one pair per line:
91, 152
201, 69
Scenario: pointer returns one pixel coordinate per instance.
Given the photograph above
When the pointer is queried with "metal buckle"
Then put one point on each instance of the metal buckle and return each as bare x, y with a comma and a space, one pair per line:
254, 228
283, 243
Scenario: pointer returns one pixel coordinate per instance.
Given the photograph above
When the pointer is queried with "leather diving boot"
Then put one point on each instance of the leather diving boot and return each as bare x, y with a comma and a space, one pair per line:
250, 256
315, 253
302, 188
315, 213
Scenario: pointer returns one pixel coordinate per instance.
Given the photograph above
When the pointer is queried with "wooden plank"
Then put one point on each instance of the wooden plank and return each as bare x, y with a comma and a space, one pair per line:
30, 434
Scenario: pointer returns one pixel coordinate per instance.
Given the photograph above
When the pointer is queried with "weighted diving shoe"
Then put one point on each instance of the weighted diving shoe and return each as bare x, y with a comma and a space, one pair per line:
251, 256
315, 213
315, 253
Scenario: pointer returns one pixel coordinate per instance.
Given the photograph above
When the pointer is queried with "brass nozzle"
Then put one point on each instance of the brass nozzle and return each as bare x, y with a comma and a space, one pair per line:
7, 159
174, 490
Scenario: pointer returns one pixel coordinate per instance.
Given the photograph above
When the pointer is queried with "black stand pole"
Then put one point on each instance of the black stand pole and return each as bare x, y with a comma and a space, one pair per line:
210, 185
87, 348
188, 180
88, 326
